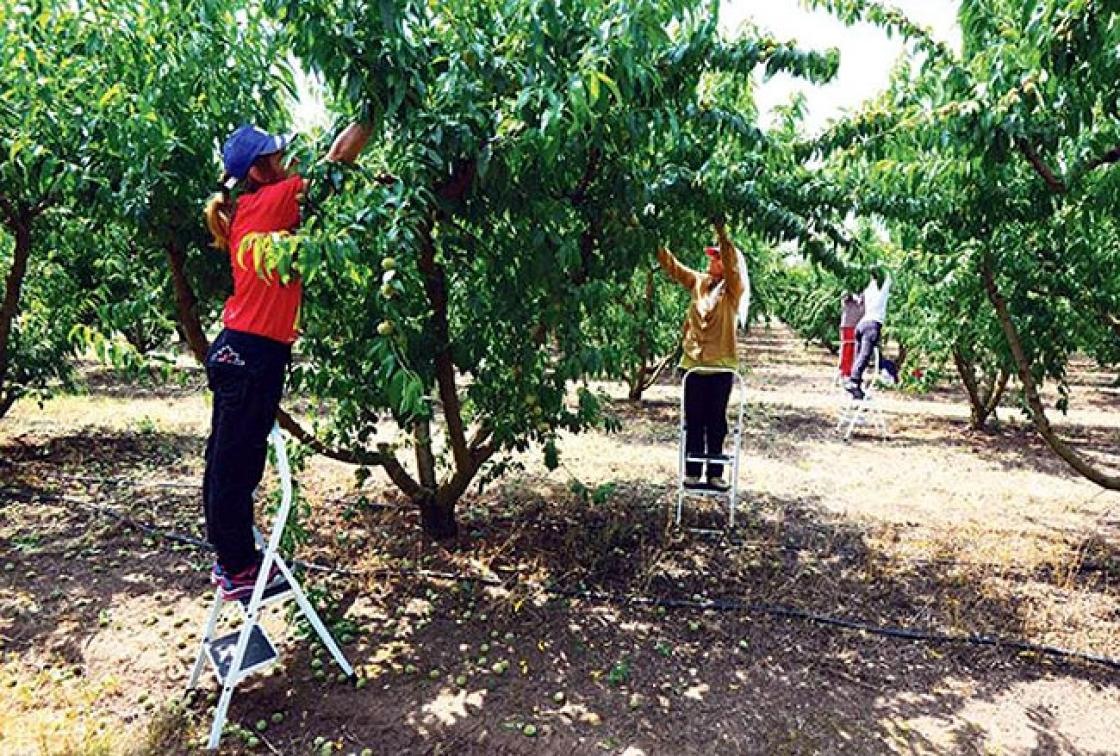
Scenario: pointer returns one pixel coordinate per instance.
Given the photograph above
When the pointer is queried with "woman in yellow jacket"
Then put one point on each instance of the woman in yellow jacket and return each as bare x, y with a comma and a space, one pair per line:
719, 300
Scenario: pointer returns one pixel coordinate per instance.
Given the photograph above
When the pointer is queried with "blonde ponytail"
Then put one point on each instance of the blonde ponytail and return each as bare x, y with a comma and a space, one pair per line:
219, 217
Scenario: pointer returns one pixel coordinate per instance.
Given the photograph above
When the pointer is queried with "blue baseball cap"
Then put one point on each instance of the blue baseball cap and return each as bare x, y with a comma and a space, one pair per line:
248, 143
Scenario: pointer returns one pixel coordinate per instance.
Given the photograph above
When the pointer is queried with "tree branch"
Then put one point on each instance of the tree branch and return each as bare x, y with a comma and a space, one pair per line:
1112, 156
579, 194
435, 284
1056, 184
425, 460
186, 303
1030, 390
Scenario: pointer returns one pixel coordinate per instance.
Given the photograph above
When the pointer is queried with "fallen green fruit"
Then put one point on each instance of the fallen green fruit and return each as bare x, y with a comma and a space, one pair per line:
277, 717
262, 725
529, 730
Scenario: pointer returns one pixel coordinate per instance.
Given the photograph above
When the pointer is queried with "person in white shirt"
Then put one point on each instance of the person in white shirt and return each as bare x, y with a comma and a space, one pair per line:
869, 328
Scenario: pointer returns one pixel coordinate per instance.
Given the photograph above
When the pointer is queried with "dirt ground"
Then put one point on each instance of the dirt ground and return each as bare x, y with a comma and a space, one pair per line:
550, 638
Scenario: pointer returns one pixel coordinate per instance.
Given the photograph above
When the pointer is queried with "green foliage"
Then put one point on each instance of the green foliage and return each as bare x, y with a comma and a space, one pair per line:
540, 152
989, 160
108, 120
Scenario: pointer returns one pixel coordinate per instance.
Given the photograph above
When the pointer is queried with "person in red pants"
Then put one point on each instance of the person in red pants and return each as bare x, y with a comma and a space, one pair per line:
851, 310
717, 303
247, 363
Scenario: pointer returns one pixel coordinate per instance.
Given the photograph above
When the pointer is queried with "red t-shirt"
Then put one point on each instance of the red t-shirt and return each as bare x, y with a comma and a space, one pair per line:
261, 304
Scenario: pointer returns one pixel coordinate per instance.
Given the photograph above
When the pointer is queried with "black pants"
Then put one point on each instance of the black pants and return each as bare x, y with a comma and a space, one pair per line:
867, 334
246, 374
705, 419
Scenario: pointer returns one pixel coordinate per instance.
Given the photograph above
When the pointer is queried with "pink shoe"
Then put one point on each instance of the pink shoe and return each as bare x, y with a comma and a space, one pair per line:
240, 585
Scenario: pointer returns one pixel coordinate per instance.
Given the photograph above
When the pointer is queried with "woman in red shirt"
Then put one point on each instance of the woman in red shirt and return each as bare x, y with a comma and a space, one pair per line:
246, 364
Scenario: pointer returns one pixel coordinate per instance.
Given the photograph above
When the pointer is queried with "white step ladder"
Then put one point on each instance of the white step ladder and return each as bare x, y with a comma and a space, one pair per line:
704, 490
863, 412
239, 654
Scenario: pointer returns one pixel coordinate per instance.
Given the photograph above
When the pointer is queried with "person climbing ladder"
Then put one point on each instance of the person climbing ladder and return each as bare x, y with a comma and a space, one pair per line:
246, 364
716, 305
869, 329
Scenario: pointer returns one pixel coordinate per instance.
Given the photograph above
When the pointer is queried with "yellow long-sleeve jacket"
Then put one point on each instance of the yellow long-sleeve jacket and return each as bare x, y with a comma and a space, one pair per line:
709, 326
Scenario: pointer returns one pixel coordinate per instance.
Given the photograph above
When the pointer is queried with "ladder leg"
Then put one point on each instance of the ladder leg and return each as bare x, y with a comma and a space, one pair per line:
220, 714
233, 675
313, 617
853, 419
207, 636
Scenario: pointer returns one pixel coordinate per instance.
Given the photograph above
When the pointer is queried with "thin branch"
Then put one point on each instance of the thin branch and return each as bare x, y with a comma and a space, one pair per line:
1056, 184
1112, 156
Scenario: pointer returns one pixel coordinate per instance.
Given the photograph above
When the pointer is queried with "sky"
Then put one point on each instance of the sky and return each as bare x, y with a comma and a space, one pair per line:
866, 54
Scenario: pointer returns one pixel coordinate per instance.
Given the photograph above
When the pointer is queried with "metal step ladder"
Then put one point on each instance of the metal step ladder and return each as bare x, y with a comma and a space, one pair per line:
863, 412
239, 654
703, 490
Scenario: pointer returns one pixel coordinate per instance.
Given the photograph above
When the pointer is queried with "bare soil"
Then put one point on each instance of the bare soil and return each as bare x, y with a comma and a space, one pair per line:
551, 619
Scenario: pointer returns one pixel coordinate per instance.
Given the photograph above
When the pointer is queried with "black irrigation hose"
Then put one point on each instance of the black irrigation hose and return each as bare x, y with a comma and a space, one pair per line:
723, 605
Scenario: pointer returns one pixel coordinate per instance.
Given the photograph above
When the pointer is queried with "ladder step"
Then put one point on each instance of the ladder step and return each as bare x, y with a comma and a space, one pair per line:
258, 654
707, 490
277, 591
721, 458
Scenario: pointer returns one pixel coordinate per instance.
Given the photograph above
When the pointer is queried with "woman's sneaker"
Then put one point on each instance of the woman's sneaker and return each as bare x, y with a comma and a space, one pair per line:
691, 481
719, 483
239, 585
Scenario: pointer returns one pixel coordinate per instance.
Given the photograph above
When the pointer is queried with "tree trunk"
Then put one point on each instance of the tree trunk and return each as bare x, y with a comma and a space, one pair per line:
995, 395
966, 371
186, 303
641, 370
13, 286
437, 516
1030, 391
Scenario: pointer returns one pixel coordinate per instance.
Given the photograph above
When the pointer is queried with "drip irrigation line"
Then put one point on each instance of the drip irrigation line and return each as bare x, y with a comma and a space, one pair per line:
1091, 567
717, 604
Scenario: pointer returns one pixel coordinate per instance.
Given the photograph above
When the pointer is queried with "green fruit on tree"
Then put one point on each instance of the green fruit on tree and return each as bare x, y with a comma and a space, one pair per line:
388, 263
384, 328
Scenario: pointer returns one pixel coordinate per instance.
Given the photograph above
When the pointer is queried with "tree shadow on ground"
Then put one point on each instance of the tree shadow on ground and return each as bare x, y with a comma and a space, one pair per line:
682, 680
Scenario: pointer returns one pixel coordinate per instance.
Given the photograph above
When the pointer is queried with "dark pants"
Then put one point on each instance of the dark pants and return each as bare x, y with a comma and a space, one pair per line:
246, 374
705, 419
867, 334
